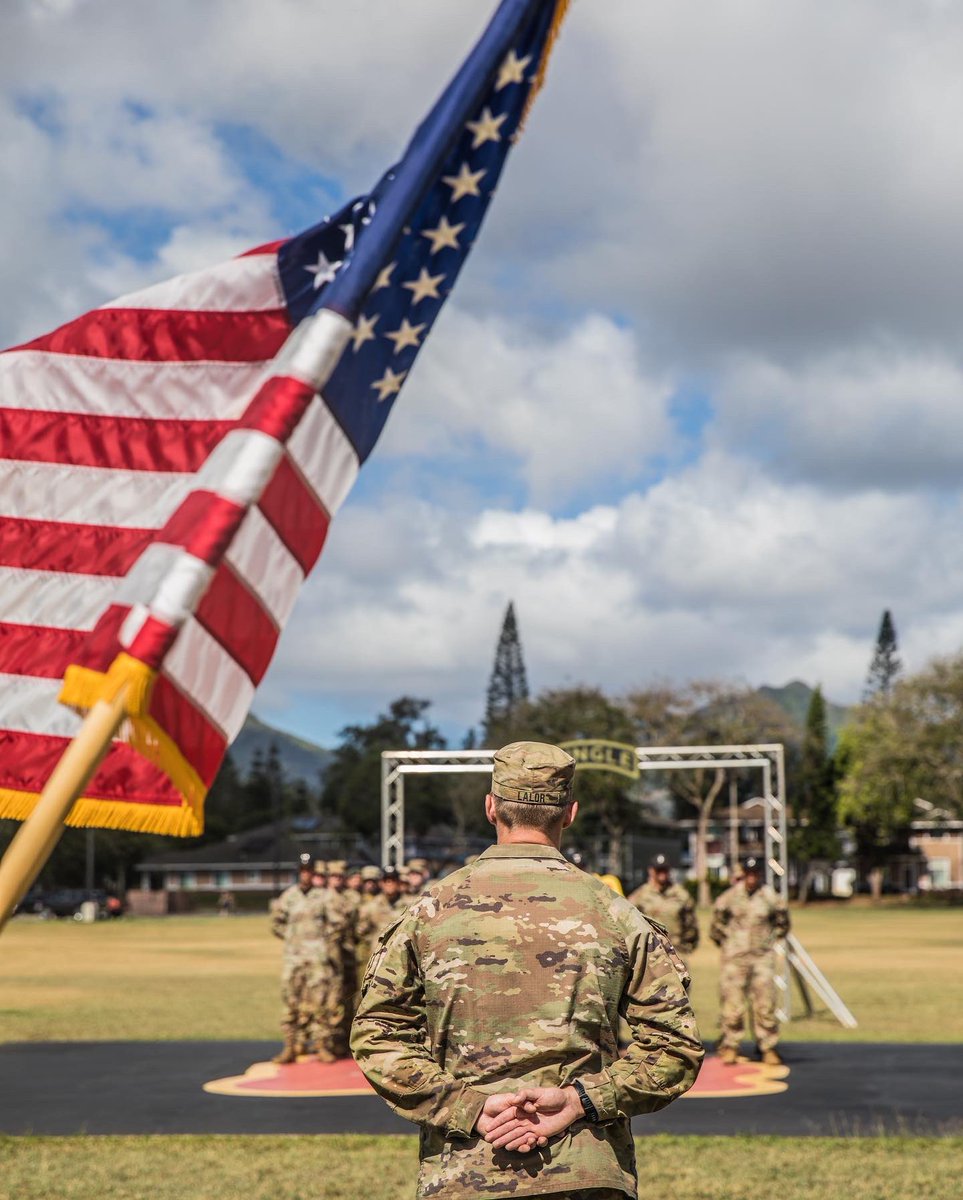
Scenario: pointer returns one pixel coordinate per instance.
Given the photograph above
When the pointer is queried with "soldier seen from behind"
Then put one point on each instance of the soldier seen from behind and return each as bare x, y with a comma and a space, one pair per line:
747, 920
669, 904
490, 1010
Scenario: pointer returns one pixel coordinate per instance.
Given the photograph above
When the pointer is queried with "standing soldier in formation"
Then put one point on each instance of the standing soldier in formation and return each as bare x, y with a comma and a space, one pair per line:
377, 912
490, 1010
669, 904
339, 1003
302, 917
747, 919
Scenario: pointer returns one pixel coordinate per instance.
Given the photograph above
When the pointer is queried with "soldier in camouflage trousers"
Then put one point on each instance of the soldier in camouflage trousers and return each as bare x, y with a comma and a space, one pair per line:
669, 904
334, 1022
301, 916
747, 919
490, 1010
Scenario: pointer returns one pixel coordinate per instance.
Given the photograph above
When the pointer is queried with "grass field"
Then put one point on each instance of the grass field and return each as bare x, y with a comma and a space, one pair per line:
384, 1168
899, 970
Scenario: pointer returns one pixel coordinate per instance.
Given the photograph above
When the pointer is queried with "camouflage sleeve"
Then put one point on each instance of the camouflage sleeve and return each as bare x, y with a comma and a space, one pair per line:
390, 1041
690, 927
279, 917
720, 919
666, 1052
780, 918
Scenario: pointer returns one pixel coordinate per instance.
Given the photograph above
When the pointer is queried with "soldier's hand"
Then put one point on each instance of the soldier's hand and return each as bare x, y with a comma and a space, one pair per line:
503, 1109
539, 1113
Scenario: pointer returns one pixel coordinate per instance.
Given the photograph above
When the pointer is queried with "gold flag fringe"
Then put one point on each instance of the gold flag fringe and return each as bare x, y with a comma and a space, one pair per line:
561, 11
82, 689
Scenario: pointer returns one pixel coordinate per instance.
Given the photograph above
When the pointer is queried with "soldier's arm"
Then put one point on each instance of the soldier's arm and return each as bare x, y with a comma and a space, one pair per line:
780, 918
690, 926
279, 917
720, 918
666, 1052
390, 1042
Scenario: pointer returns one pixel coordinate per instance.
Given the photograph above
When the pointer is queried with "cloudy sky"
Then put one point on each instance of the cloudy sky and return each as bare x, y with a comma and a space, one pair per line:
696, 405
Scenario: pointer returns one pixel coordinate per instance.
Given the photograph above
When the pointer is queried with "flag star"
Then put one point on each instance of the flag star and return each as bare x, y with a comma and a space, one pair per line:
323, 270
424, 287
512, 70
406, 335
389, 384
443, 235
384, 277
364, 330
465, 183
486, 128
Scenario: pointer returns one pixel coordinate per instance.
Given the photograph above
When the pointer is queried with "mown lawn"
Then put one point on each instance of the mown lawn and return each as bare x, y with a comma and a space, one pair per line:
899, 969
384, 1168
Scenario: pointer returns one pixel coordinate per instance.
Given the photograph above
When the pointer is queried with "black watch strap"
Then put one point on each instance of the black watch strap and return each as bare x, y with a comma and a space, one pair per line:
591, 1112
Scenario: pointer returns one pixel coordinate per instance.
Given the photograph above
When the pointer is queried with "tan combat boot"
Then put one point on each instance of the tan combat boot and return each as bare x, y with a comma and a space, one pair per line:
771, 1059
288, 1053
728, 1056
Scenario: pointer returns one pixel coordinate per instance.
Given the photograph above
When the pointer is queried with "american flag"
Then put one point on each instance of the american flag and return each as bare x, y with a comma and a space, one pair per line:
168, 474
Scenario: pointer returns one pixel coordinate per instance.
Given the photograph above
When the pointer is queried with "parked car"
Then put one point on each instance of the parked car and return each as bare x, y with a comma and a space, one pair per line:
66, 902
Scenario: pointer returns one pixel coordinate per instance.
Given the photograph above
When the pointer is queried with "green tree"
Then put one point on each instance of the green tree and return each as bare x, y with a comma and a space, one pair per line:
607, 804
508, 684
815, 799
352, 782
705, 713
899, 747
885, 665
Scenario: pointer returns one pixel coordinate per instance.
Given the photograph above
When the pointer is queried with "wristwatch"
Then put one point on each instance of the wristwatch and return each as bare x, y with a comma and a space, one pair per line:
591, 1112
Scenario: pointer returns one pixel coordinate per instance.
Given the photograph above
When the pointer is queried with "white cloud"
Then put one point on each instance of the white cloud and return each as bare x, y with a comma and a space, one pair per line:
717, 572
568, 409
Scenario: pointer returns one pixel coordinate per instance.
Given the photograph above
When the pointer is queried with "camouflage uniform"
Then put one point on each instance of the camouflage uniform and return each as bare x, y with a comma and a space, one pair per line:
745, 927
374, 916
513, 971
672, 908
335, 1022
303, 919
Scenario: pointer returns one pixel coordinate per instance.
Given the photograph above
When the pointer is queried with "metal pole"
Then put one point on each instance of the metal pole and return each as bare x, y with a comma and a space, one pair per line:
733, 828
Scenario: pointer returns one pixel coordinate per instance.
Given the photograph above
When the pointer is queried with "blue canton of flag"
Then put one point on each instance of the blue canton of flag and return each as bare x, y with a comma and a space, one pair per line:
412, 287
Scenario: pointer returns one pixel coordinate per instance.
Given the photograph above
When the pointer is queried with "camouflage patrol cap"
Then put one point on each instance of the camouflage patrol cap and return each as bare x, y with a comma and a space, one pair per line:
371, 873
320, 867
337, 867
533, 773
417, 864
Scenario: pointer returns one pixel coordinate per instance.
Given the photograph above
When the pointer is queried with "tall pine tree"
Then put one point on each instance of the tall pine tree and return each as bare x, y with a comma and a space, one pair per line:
508, 684
815, 836
886, 663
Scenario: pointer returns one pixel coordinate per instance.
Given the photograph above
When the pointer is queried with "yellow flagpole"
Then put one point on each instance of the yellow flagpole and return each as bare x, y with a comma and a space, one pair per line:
40, 832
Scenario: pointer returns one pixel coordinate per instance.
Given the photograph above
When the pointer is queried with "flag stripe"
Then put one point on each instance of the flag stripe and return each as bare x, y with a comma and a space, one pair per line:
231, 614
188, 726
163, 337
266, 565
298, 517
124, 443
123, 775
91, 495
321, 451
180, 391
246, 284
32, 650
202, 669
58, 600
63, 546
28, 704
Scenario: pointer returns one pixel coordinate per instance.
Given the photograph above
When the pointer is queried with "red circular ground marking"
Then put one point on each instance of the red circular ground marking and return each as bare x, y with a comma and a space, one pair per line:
308, 1077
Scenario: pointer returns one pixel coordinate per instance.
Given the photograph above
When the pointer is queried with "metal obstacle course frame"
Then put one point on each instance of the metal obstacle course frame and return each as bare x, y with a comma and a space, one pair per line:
769, 758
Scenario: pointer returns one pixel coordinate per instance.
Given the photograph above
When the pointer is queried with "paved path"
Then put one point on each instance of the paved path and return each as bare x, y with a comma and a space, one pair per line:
852, 1089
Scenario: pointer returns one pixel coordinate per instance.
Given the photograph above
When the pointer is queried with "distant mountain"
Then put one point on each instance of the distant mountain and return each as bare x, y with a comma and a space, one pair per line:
300, 759
794, 699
